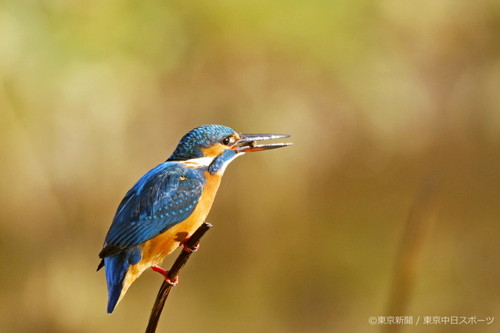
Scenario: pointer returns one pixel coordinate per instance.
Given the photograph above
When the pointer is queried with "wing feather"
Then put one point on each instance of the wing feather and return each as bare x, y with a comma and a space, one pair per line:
162, 198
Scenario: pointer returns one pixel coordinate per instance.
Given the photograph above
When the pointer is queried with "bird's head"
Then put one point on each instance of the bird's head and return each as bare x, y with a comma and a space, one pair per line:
217, 145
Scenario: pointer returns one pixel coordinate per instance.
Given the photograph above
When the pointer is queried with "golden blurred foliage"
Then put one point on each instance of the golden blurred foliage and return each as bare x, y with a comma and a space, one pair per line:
379, 96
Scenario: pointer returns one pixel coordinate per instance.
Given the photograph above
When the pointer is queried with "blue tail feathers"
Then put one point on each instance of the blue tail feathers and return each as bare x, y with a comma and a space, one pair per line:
116, 269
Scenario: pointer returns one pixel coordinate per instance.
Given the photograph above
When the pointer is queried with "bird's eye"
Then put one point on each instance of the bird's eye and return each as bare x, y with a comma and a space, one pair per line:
228, 140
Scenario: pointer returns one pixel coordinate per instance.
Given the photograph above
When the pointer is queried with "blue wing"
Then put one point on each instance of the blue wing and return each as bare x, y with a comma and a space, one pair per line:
162, 198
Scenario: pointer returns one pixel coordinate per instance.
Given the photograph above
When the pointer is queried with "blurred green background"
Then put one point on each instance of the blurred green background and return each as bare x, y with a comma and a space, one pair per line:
379, 96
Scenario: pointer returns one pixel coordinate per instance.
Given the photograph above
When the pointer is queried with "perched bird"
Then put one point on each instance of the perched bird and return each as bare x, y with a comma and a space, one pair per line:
169, 203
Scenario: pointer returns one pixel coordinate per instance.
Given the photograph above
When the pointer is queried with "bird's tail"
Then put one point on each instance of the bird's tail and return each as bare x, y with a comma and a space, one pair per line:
117, 274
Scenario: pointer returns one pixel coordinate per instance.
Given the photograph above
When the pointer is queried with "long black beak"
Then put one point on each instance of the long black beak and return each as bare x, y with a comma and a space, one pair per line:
247, 142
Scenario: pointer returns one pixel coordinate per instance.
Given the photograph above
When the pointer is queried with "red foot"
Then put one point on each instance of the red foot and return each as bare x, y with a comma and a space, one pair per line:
187, 248
165, 275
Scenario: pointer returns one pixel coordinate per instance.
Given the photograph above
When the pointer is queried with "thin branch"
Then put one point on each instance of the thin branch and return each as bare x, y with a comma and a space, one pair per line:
181, 260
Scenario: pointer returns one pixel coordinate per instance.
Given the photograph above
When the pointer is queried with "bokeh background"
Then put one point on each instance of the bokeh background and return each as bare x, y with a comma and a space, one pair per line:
391, 191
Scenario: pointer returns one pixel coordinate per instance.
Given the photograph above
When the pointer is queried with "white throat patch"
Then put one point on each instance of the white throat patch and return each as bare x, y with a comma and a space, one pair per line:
200, 161
206, 161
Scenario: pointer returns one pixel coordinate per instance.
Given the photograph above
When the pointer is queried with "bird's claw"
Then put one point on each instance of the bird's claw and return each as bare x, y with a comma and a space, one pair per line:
164, 272
187, 248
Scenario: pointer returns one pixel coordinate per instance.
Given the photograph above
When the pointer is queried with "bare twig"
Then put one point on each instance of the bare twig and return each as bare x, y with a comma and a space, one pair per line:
181, 260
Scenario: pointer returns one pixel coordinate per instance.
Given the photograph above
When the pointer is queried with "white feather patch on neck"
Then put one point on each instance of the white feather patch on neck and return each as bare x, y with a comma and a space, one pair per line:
206, 161
200, 161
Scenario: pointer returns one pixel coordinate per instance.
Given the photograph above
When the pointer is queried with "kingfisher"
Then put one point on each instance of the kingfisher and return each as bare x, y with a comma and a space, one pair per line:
166, 205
